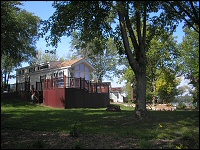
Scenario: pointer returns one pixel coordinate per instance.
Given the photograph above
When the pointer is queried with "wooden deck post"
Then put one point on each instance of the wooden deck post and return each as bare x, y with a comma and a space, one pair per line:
64, 81
80, 82
96, 87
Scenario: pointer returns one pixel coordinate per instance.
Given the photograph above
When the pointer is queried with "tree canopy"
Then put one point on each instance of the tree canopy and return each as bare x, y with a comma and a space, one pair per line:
19, 33
19, 30
189, 61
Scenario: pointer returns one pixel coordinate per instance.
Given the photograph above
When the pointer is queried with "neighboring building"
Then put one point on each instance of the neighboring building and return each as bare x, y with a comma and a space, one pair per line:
79, 68
116, 94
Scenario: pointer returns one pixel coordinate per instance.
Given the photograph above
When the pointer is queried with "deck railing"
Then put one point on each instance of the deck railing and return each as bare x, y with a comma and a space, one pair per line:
79, 83
66, 82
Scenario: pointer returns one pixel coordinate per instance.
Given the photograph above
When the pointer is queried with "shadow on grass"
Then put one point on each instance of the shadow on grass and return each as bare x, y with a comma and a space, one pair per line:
160, 125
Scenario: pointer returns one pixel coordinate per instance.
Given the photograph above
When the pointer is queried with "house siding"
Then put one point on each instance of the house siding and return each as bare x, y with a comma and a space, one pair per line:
77, 70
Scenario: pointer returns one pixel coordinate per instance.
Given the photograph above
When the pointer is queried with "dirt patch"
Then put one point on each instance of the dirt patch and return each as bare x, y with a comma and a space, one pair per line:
26, 139
12, 139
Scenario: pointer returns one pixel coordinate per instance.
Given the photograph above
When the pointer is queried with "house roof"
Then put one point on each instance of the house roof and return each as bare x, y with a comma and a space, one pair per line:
71, 63
68, 63
116, 89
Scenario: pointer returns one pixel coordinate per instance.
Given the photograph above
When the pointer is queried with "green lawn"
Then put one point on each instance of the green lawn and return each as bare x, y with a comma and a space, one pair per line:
181, 125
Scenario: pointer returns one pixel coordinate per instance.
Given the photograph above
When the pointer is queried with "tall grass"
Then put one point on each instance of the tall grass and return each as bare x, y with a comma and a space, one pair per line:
161, 125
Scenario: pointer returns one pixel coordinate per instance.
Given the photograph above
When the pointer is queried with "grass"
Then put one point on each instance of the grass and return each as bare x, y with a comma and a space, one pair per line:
181, 125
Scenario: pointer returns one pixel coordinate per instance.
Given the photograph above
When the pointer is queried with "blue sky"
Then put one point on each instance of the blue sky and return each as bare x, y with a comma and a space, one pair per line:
44, 10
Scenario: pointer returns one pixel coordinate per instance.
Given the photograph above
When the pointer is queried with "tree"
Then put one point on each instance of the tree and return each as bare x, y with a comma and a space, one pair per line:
129, 77
93, 19
162, 55
6, 67
190, 58
19, 30
105, 61
43, 57
166, 86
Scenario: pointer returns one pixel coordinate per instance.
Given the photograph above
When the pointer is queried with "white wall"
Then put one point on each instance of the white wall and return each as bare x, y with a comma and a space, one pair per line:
115, 99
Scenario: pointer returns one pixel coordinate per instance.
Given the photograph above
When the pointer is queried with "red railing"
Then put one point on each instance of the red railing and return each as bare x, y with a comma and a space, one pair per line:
79, 83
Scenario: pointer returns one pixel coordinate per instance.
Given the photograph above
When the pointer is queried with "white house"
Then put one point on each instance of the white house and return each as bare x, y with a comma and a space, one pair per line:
79, 68
116, 94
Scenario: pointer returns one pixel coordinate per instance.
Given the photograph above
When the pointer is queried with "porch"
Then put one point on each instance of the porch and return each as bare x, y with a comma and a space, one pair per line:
68, 92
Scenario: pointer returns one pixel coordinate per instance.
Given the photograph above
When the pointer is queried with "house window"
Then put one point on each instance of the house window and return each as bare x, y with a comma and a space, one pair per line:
87, 69
81, 67
77, 74
82, 74
77, 68
87, 76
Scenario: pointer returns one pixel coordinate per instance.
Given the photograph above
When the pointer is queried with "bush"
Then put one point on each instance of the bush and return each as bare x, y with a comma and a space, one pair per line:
181, 105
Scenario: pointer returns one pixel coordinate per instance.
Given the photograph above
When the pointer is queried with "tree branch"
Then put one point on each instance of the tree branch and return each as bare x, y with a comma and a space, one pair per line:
194, 11
132, 35
189, 24
133, 63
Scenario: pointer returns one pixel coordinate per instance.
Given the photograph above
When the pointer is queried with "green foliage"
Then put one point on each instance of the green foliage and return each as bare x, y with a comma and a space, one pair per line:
188, 11
90, 21
190, 57
166, 86
129, 76
181, 105
19, 30
162, 54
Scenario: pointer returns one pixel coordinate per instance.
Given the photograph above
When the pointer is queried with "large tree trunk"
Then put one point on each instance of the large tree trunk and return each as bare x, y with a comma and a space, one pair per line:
140, 109
138, 64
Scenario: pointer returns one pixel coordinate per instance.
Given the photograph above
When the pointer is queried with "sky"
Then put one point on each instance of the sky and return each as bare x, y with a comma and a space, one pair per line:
44, 10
